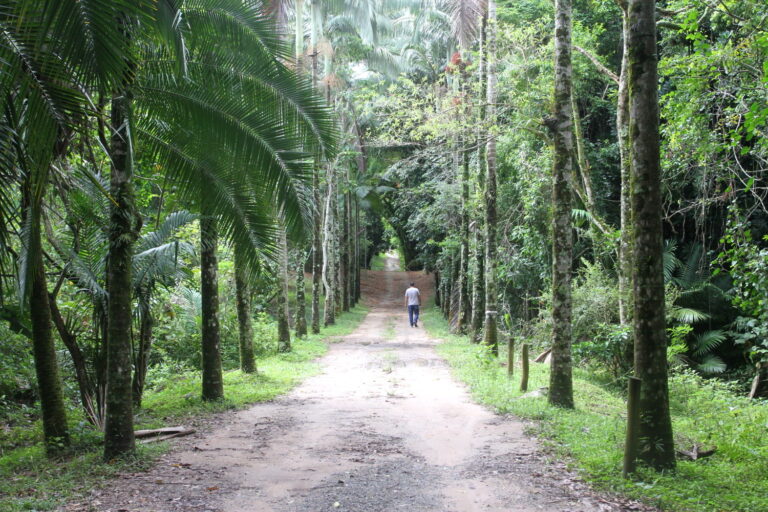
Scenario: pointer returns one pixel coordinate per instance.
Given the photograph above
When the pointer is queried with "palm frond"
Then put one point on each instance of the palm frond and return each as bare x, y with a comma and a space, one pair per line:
687, 315
711, 365
708, 341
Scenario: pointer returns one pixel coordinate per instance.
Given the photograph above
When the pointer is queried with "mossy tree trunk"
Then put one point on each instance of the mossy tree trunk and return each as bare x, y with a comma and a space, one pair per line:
490, 330
625, 159
213, 382
118, 426
657, 447
244, 317
52, 408
561, 384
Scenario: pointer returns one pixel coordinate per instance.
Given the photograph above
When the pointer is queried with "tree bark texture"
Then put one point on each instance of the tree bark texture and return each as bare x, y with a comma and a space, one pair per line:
478, 285
317, 253
118, 425
328, 263
244, 317
464, 304
622, 128
300, 324
561, 384
657, 447
213, 382
283, 325
490, 331
52, 408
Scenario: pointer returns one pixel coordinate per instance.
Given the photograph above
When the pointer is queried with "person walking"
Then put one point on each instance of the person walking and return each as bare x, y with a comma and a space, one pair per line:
412, 302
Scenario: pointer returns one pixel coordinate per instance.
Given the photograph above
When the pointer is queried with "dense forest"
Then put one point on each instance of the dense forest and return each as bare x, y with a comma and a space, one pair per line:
191, 189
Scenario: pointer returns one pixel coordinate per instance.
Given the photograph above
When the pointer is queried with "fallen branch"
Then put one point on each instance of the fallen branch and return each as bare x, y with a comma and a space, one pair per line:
165, 433
695, 453
542, 358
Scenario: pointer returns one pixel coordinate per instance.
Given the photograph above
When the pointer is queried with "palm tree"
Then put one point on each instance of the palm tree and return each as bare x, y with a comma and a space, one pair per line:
53, 54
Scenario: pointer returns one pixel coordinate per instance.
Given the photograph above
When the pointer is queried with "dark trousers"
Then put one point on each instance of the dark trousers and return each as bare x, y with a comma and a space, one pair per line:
413, 314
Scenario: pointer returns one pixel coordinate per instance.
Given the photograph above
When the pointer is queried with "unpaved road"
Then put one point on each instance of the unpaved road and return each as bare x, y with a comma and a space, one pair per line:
384, 428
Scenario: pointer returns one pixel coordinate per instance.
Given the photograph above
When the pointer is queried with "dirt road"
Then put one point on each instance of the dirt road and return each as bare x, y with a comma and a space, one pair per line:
385, 427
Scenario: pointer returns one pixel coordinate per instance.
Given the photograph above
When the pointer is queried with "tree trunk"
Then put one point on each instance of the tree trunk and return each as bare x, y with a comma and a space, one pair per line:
328, 263
283, 326
657, 447
118, 426
625, 241
490, 331
84, 384
52, 408
344, 275
318, 259
560, 384
141, 359
244, 319
300, 324
463, 161
213, 382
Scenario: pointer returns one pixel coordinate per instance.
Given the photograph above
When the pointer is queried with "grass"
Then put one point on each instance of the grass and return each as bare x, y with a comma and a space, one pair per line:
591, 437
31, 481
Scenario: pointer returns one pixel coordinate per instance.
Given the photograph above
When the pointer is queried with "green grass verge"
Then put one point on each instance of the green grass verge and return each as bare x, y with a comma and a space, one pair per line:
31, 481
592, 435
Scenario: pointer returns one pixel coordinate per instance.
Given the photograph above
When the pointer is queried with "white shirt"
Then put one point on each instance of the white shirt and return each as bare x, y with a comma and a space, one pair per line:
413, 296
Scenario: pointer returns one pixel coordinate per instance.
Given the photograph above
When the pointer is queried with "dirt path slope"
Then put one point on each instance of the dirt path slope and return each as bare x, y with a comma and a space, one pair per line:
383, 428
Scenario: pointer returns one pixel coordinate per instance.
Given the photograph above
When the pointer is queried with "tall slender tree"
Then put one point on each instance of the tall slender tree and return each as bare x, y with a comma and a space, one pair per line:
283, 325
657, 449
561, 125
244, 317
490, 331
213, 379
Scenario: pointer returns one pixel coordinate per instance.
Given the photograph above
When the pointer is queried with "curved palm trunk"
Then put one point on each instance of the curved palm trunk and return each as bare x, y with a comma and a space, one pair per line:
490, 332
118, 425
213, 382
53, 410
561, 384
244, 320
657, 449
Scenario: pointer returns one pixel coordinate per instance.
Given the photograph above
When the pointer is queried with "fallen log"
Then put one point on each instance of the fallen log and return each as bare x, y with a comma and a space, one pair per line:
162, 432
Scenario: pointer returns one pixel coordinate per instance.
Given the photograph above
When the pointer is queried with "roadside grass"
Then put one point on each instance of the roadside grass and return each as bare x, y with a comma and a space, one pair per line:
591, 437
31, 481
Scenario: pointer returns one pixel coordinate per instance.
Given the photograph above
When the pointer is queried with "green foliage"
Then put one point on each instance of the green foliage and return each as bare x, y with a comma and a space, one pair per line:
705, 412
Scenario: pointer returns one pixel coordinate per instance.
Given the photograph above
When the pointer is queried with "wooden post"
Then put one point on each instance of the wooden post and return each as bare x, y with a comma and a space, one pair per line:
524, 360
510, 355
633, 426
